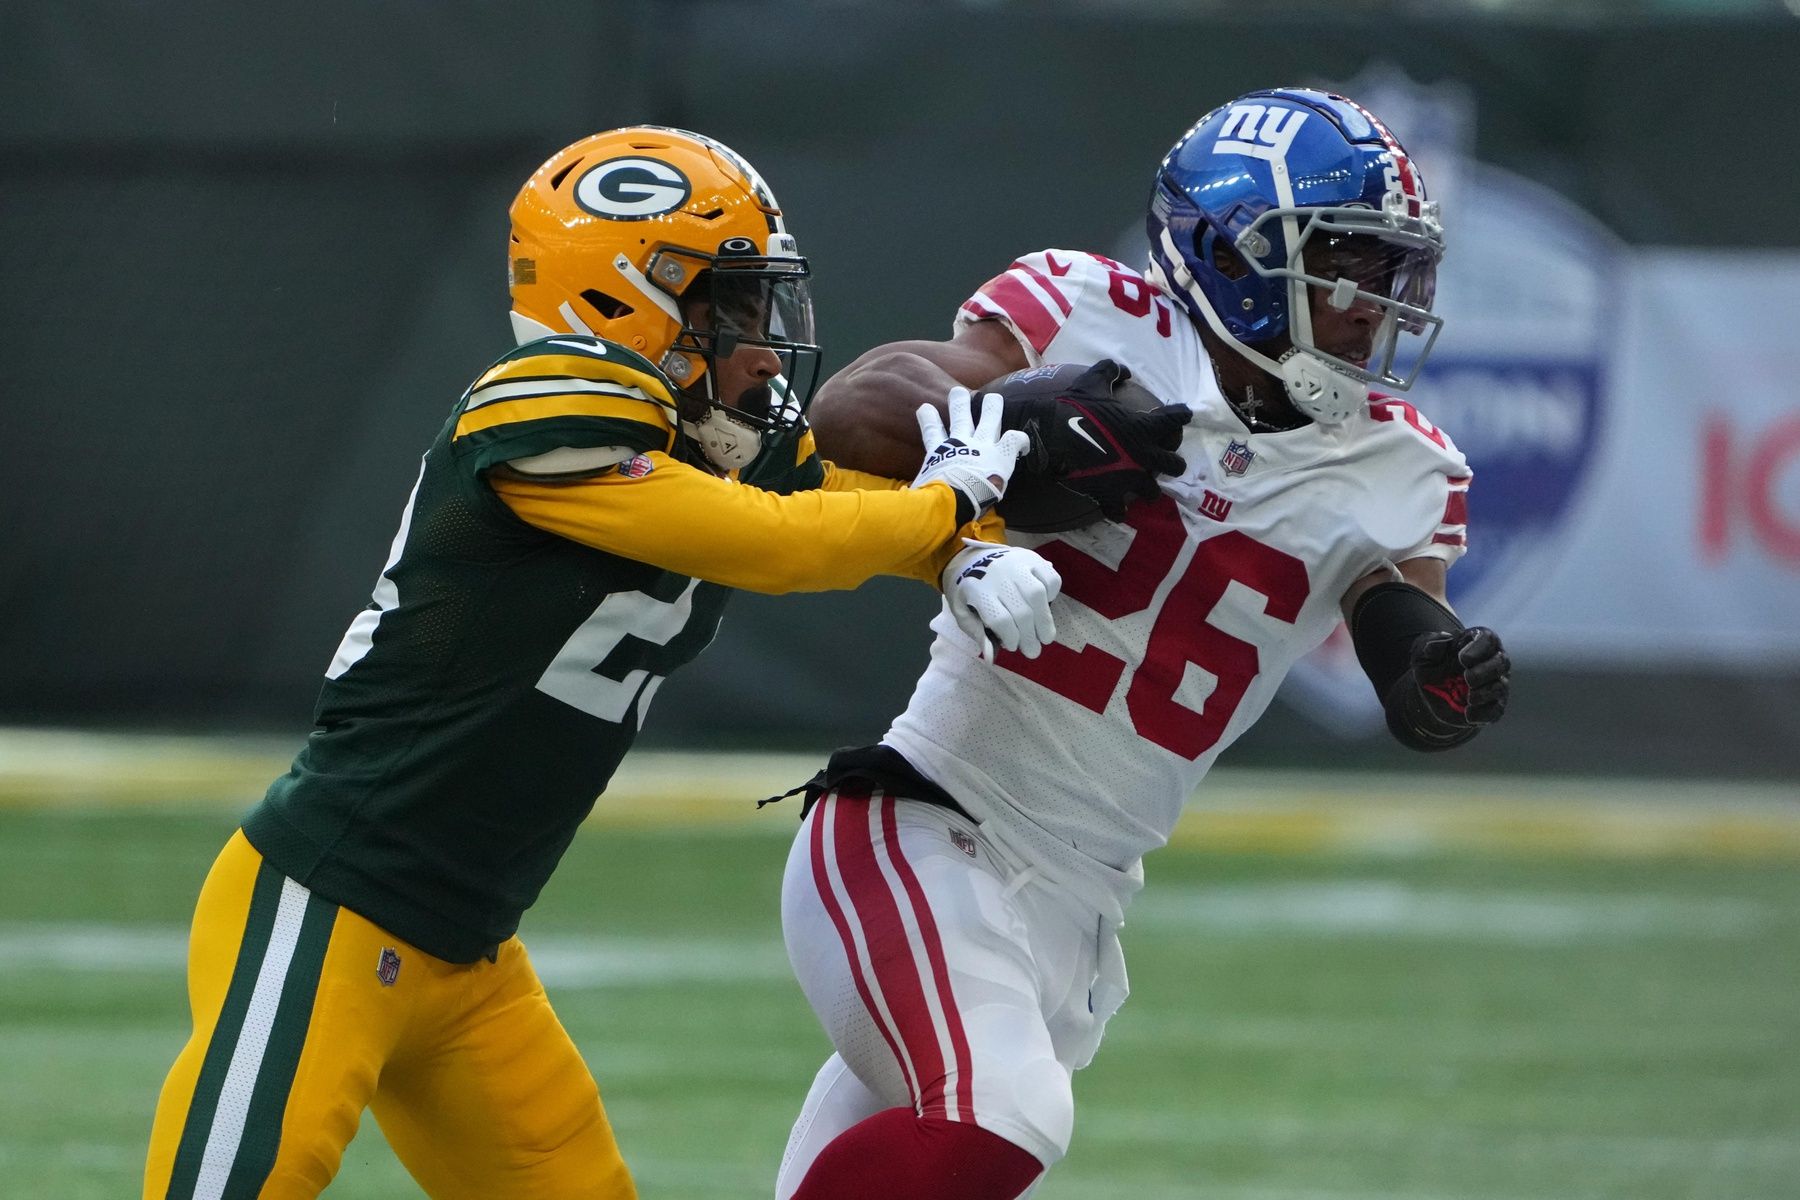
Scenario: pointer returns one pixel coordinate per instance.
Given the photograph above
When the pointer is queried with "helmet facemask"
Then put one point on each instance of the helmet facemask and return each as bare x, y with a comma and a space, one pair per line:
732, 302
1353, 256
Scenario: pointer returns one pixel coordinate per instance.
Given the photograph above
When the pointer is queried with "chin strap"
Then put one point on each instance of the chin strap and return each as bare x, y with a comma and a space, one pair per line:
1319, 388
727, 444
1315, 386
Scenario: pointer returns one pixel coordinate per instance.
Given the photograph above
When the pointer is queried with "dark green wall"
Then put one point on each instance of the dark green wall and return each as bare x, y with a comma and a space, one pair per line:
250, 254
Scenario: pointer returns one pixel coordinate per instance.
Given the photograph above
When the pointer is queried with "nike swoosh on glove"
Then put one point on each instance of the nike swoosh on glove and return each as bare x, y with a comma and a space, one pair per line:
1091, 443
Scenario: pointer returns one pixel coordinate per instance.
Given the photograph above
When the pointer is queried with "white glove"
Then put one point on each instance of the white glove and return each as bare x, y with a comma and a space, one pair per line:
976, 460
1002, 593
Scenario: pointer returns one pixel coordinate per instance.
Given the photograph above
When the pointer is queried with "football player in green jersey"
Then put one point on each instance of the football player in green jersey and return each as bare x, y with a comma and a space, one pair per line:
572, 537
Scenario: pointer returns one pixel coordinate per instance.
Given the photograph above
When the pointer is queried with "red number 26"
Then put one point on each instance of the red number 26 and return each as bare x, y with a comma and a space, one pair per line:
1182, 632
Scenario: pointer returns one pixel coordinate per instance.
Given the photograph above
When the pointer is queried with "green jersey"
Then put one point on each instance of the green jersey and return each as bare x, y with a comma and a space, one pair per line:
477, 708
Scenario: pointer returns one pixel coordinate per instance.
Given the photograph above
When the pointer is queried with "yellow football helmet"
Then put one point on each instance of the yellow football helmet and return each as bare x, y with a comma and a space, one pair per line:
621, 234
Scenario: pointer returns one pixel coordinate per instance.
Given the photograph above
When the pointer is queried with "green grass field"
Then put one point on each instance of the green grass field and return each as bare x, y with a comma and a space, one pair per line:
1555, 993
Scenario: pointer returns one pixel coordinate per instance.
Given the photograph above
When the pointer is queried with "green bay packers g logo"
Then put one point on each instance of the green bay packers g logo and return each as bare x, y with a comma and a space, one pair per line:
632, 189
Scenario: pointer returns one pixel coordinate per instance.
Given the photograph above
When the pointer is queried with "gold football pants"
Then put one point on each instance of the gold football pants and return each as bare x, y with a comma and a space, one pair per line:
305, 1014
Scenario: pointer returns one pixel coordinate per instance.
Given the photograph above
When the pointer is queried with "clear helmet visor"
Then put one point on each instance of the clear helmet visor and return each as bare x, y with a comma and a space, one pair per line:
750, 318
1355, 261
764, 304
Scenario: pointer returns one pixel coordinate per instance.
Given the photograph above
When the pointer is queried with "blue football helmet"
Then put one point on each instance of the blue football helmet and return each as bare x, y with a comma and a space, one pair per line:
1284, 190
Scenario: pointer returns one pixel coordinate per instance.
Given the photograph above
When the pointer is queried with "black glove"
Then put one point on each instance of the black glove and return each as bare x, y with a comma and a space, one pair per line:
1458, 683
1098, 442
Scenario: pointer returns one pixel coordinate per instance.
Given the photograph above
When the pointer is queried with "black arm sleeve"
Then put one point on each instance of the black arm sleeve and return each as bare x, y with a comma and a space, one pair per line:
1386, 627
1386, 621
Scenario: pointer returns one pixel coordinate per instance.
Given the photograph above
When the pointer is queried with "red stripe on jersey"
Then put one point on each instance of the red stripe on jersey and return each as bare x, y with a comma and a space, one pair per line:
1456, 509
934, 953
1043, 281
1025, 311
1449, 539
890, 951
827, 811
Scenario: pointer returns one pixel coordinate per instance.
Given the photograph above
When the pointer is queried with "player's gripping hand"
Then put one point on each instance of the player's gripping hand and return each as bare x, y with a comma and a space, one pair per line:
1002, 594
974, 457
1092, 443
1458, 683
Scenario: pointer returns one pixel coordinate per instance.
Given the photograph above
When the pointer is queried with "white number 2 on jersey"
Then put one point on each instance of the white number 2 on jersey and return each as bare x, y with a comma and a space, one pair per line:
573, 676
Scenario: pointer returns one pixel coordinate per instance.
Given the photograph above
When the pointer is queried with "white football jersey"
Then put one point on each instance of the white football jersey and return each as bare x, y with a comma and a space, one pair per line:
1175, 626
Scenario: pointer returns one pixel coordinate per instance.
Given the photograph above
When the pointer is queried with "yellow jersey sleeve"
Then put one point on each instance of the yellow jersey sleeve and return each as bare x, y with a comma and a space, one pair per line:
677, 517
928, 567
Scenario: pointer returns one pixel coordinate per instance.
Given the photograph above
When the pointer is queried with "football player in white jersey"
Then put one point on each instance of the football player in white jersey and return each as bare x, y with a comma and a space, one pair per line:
951, 903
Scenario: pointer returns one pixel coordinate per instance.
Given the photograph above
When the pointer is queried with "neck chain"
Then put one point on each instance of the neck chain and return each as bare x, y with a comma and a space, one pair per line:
1249, 411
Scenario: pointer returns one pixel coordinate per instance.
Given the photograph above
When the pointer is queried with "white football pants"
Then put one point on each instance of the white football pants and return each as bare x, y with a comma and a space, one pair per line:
946, 980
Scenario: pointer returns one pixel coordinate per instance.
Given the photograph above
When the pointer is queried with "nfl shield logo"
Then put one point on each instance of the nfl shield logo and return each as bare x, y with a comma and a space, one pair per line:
963, 842
1236, 459
388, 969
638, 467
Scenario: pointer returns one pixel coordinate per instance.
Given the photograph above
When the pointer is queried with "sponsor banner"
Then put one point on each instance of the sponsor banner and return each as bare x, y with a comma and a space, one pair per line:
1632, 417
1638, 509
1685, 548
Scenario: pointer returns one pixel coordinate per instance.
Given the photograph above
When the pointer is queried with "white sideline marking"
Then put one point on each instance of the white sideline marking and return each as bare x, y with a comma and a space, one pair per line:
70, 946
1195, 1135
86, 1156
1095, 1187
562, 960
1379, 907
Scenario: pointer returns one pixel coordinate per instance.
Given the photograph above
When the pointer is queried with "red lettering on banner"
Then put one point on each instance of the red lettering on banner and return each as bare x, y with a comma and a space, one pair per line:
1750, 491
1715, 501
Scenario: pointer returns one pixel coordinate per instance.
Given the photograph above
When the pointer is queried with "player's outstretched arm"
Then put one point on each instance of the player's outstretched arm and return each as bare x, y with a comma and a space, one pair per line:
1439, 682
863, 416
671, 515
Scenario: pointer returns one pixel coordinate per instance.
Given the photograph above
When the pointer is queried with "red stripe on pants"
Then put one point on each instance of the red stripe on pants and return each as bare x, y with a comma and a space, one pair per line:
897, 975
828, 811
934, 951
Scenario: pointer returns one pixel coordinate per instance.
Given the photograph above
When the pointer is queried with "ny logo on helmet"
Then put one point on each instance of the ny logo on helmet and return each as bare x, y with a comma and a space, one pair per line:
632, 189
1272, 128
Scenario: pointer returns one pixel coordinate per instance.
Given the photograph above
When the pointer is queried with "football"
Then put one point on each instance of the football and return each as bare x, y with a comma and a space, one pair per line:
1033, 504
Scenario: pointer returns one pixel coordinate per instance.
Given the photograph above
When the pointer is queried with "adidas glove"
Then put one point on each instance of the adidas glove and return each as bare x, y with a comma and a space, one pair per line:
974, 458
1002, 594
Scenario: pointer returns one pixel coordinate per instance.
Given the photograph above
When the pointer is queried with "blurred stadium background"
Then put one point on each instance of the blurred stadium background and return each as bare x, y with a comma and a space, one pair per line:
252, 253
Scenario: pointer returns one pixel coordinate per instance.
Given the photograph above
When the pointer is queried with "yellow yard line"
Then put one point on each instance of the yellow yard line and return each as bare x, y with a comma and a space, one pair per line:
1236, 810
